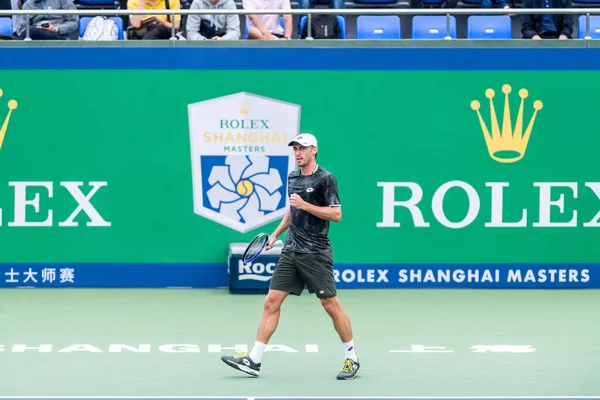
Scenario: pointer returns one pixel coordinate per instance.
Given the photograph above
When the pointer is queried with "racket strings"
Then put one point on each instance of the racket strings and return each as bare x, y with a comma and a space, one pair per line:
255, 247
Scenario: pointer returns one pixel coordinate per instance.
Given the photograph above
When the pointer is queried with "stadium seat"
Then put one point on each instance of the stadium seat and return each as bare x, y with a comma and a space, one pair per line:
341, 22
594, 27
432, 27
378, 27
6, 27
84, 21
489, 27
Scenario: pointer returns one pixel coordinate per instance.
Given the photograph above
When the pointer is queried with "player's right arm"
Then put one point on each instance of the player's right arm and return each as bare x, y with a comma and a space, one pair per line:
283, 226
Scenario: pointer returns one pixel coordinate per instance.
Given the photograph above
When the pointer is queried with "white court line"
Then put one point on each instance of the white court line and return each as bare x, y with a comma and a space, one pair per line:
303, 397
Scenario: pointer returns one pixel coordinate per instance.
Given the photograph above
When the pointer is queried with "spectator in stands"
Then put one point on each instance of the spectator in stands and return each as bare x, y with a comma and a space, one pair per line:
212, 26
267, 27
47, 27
445, 4
310, 3
16, 5
153, 27
547, 26
496, 3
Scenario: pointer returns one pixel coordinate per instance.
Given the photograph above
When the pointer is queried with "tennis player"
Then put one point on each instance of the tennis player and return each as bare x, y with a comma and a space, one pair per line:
306, 257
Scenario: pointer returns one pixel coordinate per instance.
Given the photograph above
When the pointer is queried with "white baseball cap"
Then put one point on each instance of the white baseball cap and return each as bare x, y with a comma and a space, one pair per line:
304, 139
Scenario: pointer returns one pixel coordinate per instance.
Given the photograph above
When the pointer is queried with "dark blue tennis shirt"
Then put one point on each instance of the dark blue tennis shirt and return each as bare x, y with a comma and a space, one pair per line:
308, 233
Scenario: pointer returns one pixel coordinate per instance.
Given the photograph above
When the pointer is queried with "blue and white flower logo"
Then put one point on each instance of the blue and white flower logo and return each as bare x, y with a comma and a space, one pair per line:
244, 188
241, 158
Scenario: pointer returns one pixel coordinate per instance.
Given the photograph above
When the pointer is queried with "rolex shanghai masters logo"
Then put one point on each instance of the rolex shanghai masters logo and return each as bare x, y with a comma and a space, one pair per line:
507, 145
241, 158
12, 105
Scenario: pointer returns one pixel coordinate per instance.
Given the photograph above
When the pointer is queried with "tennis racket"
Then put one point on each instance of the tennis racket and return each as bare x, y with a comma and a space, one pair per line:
256, 246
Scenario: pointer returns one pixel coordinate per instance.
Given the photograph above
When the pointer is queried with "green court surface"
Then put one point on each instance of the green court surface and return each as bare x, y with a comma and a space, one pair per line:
484, 343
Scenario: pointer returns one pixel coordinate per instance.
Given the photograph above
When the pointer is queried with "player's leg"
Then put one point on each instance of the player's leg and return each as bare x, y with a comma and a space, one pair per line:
285, 280
250, 363
341, 323
268, 322
317, 271
343, 326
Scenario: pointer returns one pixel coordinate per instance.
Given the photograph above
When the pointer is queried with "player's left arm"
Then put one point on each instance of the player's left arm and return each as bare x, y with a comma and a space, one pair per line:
329, 213
332, 211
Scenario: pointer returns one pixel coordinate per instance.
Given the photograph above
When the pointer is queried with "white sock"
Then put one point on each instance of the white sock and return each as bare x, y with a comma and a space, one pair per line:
349, 350
257, 351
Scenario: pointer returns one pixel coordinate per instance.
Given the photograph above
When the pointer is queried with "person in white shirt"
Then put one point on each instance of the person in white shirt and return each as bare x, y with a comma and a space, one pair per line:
267, 26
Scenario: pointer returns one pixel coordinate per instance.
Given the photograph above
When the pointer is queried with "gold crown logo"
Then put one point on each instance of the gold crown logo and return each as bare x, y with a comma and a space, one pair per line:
12, 104
245, 108
507, 146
